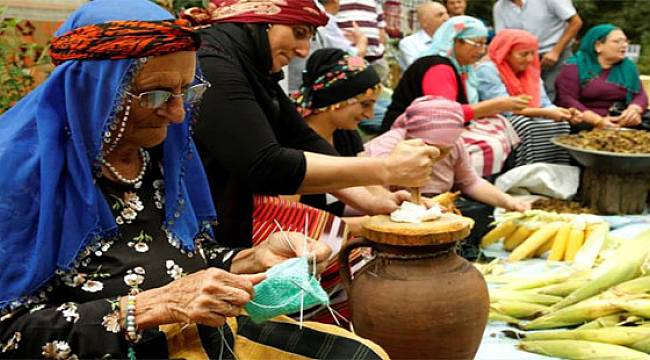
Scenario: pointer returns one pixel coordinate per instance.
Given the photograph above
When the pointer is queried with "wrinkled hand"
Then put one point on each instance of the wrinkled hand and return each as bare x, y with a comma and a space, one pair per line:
549, 59
630, 116
576, 116
410, 163
208, 297
513, 204
514, 103
608, 122
280, 246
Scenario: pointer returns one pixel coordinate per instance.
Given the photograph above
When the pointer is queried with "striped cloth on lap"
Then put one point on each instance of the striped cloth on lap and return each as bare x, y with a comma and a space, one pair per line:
535, 135
489, 141
369, 16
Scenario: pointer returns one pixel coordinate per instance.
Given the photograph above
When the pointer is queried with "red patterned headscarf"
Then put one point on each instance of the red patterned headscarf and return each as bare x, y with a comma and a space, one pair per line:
286, 12
124, 40
527, 82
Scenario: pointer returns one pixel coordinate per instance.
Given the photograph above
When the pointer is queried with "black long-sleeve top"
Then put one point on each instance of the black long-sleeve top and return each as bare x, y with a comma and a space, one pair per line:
249, 135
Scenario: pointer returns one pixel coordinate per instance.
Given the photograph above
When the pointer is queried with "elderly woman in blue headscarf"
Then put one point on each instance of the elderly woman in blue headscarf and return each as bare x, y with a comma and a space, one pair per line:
601, 82
447, 70
105, 216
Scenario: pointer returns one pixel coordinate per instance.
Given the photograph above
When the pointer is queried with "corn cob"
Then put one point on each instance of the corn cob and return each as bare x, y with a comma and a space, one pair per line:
562, 289
518, 236
533, 242
560, 242
594, 240
576, 238
639, 285
616, 335
499, 317
502, 230
623, 266
603, 322
545, 247
517, 309
580, 349
639, 307
497, 295
539, 281
575, 314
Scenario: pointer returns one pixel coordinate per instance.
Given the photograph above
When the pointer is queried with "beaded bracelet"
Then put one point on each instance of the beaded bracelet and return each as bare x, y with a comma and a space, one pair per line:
132, 334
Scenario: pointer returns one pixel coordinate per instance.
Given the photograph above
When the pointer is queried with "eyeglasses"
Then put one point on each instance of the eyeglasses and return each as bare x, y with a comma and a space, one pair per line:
157, 98
475, 44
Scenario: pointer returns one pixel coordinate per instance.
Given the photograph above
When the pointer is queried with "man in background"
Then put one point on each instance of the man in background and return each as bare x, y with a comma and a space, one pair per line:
369, 16
430, 16
456, 7
554, 22
352, 41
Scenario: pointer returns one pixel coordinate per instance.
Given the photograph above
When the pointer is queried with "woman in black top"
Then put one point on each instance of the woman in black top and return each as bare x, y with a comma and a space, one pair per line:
251, 138
338, 91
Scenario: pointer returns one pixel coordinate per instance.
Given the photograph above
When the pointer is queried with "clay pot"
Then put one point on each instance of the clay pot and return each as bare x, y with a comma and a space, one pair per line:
417, 301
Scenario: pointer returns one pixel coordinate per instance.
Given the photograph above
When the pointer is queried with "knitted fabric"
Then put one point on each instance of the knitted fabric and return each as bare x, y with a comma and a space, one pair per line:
288, 288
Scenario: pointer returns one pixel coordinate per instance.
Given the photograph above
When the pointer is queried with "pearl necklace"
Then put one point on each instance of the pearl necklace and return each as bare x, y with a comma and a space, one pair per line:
144, 155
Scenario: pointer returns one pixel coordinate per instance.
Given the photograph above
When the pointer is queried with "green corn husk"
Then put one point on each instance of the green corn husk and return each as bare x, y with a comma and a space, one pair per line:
497, 295
639, 285
603, 322
635, 306
575, 314
629, 336
517, 309
496, 316
562, 289
582, 350
540, 281
624, 266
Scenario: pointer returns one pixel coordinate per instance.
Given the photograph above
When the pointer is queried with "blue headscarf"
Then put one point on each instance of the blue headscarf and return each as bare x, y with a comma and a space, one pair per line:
458, 27
50, 142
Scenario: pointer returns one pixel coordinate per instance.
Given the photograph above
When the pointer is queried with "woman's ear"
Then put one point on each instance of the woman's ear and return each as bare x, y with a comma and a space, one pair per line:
598, 46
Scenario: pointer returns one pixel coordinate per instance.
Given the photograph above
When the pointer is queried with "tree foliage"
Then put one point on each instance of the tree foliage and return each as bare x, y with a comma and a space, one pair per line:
630, 15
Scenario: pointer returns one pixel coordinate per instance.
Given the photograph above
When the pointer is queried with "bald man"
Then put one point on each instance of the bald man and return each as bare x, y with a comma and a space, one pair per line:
430, 16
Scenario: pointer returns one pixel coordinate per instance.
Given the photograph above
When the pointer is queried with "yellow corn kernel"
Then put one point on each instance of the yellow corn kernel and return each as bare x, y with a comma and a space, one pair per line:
545, 247
517, 237
533, 242
502, 230
560, 242
576, 239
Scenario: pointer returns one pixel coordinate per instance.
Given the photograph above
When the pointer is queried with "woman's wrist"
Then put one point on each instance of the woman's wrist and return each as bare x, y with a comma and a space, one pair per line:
150, 309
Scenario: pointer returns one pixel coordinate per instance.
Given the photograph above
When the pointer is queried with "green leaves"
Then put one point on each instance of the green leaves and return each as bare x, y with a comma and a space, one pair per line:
18, 60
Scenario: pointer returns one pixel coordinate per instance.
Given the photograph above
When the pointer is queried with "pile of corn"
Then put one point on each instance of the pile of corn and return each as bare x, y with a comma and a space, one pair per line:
563, 236
607, 307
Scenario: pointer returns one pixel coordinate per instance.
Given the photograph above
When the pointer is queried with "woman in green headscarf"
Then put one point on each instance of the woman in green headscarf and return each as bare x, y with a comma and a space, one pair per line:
599, 77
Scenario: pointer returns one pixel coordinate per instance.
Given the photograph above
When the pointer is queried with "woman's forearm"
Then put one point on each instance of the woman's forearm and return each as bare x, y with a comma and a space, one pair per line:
486, 108
329, 173
489, 194
532, 112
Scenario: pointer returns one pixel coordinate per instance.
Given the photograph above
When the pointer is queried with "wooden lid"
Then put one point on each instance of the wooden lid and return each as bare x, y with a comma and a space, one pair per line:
446, 229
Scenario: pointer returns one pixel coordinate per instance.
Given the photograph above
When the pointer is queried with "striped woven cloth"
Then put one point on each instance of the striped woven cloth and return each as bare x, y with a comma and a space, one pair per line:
320, 225
536, 146
489, 141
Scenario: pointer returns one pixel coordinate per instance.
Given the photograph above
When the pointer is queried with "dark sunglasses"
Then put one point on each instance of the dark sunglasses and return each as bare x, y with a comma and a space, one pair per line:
157, 98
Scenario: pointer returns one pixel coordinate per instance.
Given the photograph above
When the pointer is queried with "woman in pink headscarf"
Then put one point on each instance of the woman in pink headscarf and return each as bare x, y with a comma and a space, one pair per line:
440, 122
513, 69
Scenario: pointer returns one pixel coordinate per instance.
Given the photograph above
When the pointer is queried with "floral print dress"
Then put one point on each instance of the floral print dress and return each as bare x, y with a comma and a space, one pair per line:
76, 314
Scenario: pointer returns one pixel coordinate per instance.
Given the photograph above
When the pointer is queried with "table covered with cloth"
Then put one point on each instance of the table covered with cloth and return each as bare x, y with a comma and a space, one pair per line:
495, 345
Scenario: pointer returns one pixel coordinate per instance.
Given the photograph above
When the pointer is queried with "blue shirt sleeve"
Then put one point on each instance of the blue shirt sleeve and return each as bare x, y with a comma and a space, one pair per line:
490, 84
